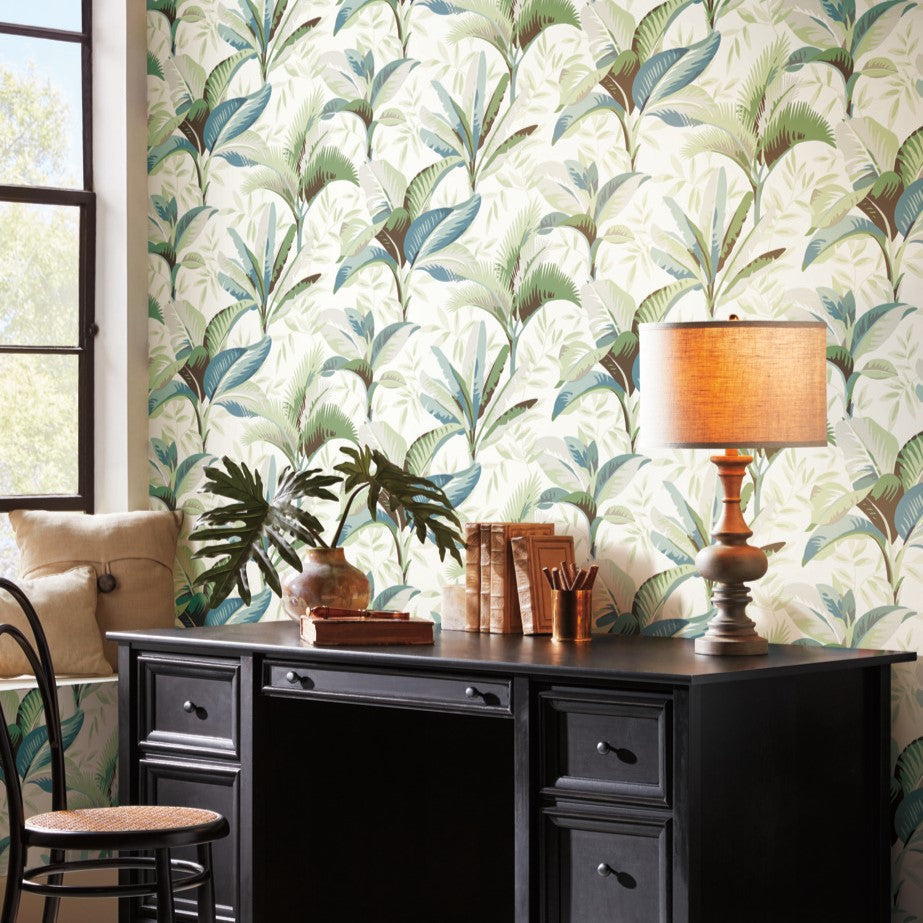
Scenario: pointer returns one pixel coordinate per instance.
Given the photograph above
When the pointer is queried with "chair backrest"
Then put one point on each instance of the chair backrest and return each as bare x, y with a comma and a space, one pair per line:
40, 660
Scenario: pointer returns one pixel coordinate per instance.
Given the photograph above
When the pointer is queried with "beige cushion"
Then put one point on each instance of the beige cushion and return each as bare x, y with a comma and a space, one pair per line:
137, 549
66, 607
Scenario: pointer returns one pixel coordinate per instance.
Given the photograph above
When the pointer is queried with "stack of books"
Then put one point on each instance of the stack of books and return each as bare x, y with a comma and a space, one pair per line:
491, 597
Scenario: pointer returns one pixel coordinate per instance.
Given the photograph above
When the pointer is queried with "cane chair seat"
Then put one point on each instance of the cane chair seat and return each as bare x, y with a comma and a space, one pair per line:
139, 819
147, 825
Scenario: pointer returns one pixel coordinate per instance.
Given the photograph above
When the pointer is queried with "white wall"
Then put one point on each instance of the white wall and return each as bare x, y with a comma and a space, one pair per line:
120, 168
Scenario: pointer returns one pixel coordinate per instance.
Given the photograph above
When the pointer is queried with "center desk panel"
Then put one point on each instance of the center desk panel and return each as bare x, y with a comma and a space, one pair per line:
378, 813
491, 779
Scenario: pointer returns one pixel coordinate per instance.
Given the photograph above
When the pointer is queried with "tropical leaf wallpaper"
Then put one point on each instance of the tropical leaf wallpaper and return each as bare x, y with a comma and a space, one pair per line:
434, 226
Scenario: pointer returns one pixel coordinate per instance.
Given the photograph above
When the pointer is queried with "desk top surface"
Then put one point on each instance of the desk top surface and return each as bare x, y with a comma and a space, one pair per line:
671, 660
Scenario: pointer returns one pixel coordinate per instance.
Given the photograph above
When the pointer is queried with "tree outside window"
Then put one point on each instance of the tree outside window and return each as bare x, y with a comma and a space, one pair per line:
47, 229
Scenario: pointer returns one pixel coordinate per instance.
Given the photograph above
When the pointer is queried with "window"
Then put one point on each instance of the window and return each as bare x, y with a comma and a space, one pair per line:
47, 253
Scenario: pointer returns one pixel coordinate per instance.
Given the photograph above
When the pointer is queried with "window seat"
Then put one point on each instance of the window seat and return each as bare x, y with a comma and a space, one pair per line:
27, 681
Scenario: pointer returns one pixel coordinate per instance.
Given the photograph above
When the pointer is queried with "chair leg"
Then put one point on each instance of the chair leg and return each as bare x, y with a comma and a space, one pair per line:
50, 913
207, 889
164, 886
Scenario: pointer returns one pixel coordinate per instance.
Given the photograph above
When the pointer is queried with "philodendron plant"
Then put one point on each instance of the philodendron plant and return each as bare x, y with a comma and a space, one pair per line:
252, 526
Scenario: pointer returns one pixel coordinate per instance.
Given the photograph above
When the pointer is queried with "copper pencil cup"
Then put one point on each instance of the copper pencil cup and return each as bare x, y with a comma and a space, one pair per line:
570, 615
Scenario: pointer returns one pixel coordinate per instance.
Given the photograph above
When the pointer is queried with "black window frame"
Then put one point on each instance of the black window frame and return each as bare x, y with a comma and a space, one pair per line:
85, 201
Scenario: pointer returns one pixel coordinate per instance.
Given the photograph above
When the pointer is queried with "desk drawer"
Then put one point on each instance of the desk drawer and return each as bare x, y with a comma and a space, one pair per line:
610, 747
416, 690
606, 868
189, 705
213, 787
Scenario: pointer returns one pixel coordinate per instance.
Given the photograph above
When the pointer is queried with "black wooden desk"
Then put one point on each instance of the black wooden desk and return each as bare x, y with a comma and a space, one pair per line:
492, 779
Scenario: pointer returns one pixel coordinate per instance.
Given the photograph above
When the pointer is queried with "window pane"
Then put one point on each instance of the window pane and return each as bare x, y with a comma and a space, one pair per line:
38, 425
41, 128
39, 266
51, 14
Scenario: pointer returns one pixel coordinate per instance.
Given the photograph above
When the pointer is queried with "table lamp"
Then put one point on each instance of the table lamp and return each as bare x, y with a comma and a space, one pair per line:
730, 385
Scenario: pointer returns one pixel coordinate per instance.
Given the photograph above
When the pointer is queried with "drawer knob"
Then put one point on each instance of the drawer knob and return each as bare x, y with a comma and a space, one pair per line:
623, 878
471, 693
296, 679
621, 753
191, 708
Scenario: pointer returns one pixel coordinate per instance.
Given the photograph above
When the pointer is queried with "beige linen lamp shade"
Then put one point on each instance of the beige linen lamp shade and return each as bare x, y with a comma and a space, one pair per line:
718, 384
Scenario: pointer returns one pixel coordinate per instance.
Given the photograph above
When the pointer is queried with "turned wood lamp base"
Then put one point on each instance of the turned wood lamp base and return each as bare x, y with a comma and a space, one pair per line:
731, 563
731, 631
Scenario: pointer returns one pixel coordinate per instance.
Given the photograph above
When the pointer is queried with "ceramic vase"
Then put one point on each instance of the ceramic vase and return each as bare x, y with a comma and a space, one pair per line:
326, 579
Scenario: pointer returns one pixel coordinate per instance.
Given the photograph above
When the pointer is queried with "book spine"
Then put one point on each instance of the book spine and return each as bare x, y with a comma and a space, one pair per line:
512, 597
473, 576
484, 594
520, 550
499, 610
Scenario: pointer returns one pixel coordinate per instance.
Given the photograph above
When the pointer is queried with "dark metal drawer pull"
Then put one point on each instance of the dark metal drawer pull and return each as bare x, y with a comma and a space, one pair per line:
623, 878
296, 679
191, 708
488, 698
623, 755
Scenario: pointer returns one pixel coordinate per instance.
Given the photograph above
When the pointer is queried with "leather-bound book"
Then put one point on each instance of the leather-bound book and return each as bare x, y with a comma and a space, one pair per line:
361, 631
531, 553
473, 576
484, 595
505, 617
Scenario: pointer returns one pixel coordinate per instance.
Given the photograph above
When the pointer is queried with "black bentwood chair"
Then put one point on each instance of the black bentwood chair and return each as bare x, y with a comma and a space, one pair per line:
128, 828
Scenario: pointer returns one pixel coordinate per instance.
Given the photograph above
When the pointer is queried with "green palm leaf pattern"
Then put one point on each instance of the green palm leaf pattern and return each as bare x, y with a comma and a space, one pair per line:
842, 41
433, 230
